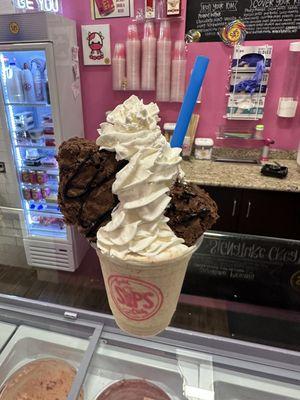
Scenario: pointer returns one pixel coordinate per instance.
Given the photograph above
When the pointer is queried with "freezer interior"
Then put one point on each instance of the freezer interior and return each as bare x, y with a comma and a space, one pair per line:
180, 373
33, 132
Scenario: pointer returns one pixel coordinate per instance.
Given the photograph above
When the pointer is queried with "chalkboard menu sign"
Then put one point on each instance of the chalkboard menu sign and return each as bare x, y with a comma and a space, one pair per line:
264, 19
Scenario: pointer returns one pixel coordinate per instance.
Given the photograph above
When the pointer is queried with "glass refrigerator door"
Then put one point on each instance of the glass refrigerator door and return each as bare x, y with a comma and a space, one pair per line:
31, 126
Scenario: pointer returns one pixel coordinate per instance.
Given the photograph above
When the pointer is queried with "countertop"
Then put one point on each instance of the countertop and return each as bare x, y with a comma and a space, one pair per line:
239, 175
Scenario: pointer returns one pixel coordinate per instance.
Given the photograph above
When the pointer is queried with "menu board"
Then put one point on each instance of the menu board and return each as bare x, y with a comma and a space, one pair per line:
264, 19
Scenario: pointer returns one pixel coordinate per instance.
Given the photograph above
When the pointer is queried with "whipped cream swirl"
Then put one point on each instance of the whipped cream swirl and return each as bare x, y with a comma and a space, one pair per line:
138, 227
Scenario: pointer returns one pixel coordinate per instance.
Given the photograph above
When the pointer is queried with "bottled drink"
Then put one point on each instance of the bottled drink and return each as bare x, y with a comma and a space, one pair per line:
28, 85
14, 84
259, 132
26, 193
46, 86
38, 83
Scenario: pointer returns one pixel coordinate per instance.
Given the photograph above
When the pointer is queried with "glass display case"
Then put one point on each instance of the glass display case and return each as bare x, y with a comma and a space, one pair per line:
37, 86
177, 364
29, 114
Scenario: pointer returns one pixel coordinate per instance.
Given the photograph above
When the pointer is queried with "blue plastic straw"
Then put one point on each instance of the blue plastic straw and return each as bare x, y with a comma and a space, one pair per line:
189, 101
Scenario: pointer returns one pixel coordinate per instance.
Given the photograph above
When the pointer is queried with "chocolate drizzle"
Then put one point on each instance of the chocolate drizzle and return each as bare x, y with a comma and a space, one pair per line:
86, 178
191, 212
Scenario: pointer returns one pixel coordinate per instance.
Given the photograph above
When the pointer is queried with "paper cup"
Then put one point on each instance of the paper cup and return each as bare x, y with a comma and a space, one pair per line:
143, 295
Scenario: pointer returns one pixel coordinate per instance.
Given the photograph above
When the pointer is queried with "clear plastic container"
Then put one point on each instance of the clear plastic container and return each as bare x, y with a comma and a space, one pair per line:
259, 132
288, 102
203, 148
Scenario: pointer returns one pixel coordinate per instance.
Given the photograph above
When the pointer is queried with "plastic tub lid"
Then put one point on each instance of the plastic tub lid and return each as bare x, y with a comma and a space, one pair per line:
260, 127
207, 142
169, 126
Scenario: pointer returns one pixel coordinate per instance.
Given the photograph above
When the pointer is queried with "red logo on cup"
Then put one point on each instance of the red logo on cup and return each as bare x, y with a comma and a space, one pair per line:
136, 299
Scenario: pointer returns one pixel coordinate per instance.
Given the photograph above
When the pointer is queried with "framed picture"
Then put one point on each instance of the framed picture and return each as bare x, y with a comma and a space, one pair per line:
96, 44
111, 8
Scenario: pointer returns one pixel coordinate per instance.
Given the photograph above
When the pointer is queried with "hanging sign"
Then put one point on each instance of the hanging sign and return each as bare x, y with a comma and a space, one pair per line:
53, 6
96, 44
111, 8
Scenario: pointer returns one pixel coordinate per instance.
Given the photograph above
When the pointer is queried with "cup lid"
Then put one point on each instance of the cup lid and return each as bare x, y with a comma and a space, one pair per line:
204, 142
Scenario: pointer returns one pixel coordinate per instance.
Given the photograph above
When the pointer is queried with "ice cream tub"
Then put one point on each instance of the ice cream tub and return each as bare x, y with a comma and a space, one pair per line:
143, 295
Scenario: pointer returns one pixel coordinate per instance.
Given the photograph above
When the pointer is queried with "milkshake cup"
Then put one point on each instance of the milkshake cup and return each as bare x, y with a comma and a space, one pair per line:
143, 294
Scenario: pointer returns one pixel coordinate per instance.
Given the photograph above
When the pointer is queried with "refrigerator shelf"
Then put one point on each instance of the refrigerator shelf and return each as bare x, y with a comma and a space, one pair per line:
45, 213
35, 230
48, 125
52, 204
51, 171
46, 228
41, 104
34, 146
52, 200
229, 137
41, 185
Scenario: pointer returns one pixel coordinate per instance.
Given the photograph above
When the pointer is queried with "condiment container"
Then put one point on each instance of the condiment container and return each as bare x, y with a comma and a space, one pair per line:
203, 148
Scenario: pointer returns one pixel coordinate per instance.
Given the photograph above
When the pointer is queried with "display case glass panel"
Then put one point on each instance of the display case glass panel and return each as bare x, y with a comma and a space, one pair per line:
30, 121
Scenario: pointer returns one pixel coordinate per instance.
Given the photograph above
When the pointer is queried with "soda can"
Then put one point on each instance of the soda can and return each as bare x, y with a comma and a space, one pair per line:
25, 176
41, 177
26, 193
32, 177
46, 191
36, 194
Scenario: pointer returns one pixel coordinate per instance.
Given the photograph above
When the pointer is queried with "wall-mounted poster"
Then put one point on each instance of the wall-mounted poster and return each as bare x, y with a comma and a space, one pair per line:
111, 8
96, 44
264, 19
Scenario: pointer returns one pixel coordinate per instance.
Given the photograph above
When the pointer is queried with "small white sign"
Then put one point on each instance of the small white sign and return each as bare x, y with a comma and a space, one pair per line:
96, 44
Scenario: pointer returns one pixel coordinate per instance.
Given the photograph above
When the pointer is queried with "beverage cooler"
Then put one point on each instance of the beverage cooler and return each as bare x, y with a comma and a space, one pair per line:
40, 107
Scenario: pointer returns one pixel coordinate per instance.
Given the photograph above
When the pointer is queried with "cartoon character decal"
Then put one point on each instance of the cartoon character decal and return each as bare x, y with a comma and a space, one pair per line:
95, 43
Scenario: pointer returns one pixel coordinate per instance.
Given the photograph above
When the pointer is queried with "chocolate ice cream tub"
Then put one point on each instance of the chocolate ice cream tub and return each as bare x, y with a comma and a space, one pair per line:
133, 389
143, 294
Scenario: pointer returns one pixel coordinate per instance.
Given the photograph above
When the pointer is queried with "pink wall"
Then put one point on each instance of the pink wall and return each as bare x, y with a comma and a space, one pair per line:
98, 96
